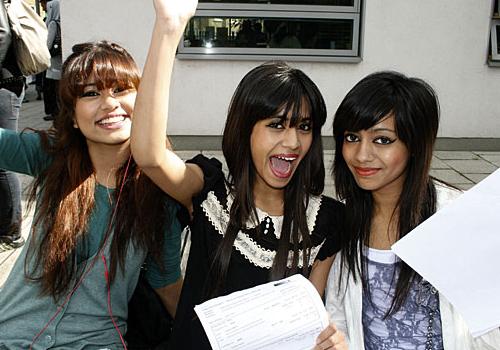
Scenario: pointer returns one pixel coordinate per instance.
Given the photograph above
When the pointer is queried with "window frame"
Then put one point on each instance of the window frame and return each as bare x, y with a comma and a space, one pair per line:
495, 54
292, 12
225, 6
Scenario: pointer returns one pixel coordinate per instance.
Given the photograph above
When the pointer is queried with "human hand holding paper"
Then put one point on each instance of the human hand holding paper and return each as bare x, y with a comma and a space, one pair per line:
286, 314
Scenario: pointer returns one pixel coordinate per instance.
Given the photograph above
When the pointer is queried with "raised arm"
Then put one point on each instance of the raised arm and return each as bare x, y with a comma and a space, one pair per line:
149, 126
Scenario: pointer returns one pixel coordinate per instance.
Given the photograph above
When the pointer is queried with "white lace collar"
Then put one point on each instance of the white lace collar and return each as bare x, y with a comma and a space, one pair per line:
246, 245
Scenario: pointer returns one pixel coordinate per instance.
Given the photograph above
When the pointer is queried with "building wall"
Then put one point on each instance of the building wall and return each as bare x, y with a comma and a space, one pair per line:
444, 42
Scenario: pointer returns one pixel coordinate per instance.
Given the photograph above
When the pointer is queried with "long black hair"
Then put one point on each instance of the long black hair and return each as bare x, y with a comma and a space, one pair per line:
270, 89
415, 108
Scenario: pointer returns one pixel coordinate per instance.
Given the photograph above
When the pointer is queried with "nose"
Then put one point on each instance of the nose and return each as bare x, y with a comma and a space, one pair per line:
364, 152
290, 138
109, 101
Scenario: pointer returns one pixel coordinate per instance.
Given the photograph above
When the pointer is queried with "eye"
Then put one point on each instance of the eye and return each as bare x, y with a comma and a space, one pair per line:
349, 137
276, 124
120, 89
305, 126
384, 140
89, 93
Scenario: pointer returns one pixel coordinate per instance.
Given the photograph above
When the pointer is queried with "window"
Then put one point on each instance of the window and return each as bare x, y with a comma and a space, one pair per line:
495, 40
310, 30
494, 57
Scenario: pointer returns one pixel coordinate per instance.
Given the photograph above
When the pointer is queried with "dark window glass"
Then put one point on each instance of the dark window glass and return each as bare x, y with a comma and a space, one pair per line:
498, 38
270, 33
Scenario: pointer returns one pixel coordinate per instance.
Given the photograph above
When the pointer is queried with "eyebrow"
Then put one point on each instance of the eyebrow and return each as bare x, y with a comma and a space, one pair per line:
284, 119
382, 129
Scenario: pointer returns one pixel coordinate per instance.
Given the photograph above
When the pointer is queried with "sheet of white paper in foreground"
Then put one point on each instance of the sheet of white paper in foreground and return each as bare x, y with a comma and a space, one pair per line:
458, 251
286, 314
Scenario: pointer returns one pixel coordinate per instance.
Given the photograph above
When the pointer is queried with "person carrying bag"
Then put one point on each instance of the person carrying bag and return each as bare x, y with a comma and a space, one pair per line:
29, 37
11, 96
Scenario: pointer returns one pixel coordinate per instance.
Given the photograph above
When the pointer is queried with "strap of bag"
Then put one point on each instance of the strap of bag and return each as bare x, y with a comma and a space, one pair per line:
56, 48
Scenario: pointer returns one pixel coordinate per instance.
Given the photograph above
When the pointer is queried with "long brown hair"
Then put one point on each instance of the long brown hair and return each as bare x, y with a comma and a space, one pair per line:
64, 191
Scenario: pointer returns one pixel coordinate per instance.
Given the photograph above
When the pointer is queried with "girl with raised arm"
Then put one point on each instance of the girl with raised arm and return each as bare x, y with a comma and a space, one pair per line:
267, 218
97, 216
385, 130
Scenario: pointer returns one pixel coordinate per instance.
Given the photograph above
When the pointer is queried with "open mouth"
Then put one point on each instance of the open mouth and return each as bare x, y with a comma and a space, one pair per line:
281, 165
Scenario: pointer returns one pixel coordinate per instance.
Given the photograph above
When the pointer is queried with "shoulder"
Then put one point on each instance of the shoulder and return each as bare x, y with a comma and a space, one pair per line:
329, 209
329, 203
213, 176
324, 215
209, 166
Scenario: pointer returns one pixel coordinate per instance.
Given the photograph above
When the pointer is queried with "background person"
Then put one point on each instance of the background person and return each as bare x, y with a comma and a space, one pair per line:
53, 73
11, 97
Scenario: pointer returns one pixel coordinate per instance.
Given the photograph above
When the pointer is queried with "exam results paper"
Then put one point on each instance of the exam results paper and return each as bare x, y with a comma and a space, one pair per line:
286, 314
457, 250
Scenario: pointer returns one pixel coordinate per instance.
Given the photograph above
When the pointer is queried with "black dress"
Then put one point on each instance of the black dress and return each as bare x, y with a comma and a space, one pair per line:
252, 256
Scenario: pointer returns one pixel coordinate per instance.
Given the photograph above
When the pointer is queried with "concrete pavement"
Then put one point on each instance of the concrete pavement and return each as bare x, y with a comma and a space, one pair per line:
460, 168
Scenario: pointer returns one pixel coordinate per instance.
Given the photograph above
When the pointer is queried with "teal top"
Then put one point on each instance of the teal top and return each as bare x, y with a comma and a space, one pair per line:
84, 322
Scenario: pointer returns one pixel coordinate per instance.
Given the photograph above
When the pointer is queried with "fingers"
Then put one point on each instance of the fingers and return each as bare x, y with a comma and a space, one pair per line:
173, 15
331, 338
326, 333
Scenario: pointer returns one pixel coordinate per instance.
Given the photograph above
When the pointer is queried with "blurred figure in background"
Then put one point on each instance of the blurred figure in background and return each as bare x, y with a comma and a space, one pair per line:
53, 73
11, 97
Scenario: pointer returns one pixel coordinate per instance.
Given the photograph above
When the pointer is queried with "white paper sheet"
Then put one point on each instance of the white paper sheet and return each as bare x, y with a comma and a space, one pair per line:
286, 314
458, 251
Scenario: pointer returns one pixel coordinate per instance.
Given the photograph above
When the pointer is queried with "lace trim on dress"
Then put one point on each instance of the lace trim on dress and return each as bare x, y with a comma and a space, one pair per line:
251, 250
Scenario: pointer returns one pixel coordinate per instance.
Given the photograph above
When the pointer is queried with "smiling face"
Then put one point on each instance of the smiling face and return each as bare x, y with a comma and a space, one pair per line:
278, 148
376, 157
104, 116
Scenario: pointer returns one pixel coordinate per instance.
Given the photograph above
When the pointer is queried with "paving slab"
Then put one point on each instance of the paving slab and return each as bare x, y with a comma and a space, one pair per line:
493, 158
455, 155
438, 164
9, 257
476, 178
492, 153
472, 166
185, 155
450, 176
465, 187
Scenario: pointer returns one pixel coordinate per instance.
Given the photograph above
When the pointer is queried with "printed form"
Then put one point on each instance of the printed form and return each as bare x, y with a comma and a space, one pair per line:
457, 250
286, 314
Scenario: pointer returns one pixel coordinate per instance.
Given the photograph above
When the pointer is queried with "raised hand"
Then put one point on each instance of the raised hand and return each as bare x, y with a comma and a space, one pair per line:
173, 15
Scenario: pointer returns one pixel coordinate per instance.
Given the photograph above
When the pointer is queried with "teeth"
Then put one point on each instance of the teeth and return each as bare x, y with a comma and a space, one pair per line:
111, 120
288, 159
